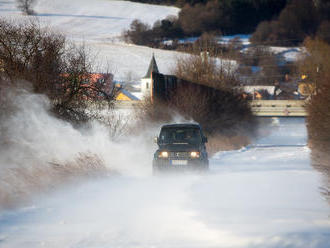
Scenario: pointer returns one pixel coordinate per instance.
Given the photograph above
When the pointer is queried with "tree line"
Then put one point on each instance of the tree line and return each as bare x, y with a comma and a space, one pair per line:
298, 20
316, 67
272, 22
226, 17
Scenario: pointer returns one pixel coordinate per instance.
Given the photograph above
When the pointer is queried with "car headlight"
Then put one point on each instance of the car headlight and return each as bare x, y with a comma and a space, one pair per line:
163, 154
194, 154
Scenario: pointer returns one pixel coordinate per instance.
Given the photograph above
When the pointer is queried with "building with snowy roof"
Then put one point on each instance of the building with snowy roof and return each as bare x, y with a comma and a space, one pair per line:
124, 95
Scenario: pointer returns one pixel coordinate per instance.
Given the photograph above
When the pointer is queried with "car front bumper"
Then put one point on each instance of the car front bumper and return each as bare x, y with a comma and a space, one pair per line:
179, 164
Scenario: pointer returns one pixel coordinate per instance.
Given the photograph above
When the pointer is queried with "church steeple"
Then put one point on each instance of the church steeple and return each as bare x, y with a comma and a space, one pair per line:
152, 67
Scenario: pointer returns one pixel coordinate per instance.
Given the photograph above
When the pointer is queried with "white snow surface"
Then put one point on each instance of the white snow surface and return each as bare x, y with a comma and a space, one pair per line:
290, 54
91, 20
244, 38
265, 195
98, 24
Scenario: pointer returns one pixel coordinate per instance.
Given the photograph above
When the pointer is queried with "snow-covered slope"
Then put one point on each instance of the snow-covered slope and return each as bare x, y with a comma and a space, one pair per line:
290, 54
98, 24
91, 20
131, 61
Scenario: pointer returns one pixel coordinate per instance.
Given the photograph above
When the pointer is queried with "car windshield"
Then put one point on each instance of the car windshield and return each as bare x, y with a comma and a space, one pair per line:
175, 135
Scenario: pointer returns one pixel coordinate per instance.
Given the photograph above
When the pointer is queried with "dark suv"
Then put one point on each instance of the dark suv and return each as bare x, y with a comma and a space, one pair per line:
181, 146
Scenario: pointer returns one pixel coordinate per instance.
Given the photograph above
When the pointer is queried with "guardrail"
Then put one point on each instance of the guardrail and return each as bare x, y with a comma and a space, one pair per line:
289, 108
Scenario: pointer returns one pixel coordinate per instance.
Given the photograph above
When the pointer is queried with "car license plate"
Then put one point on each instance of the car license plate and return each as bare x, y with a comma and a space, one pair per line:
179, 162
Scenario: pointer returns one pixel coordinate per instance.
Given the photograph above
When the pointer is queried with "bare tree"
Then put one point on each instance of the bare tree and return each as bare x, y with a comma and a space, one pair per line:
207, 70
26, 6
316, 67
219, 111
139, 33
54, 67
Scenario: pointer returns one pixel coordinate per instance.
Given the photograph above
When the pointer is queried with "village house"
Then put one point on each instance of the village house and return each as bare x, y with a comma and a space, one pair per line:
155, 84
102, 81
258, 92
94, 85
125, 95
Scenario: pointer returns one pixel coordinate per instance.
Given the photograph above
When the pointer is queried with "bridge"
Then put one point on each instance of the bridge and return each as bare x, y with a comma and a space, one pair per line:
267, 108
273, 108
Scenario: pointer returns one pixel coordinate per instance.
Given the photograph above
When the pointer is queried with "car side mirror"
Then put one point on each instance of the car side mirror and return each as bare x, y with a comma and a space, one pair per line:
204, 139
156, 140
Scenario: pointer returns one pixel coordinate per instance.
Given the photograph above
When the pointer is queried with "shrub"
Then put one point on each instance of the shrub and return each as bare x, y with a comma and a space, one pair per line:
140, 33
227, 16
209, 97
323, 31
207, 70
220, 142
317, 67
299, 19
26, 6
262, 33
52, 66
168, 28
230, 17
323, 7
156, 111
207, 42
218, 111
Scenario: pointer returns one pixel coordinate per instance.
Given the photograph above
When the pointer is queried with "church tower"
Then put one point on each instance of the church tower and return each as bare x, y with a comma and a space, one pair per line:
147, 81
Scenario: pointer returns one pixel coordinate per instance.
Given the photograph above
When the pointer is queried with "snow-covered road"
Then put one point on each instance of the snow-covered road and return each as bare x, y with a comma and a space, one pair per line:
266, 195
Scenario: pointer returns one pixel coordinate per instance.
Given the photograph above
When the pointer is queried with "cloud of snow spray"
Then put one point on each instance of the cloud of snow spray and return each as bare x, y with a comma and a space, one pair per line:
39, 150
134, 209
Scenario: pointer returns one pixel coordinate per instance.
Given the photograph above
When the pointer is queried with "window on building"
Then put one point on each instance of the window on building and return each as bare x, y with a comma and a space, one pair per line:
147, 85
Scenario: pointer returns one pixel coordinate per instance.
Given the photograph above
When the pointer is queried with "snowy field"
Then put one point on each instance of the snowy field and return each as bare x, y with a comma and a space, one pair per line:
98, 24
266, 195
99, 20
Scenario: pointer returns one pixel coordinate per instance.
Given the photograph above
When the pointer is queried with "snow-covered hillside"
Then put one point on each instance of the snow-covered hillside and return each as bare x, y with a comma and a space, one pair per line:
98, 24
91, 20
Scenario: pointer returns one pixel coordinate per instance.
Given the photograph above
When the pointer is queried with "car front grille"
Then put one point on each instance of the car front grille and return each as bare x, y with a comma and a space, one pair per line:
181, 155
